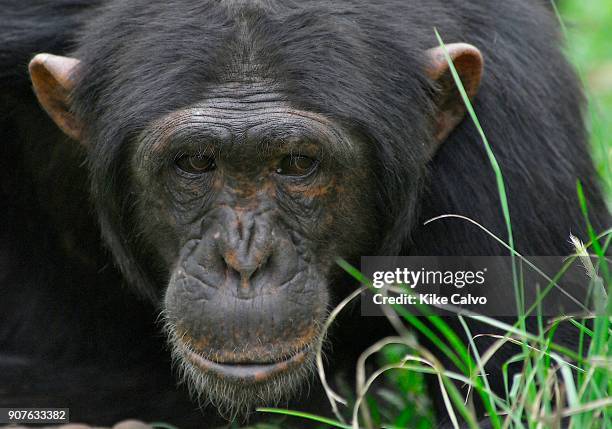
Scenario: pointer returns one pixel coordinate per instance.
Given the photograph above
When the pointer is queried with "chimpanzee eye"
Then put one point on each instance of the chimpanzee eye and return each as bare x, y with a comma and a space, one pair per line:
296, 165
196, 164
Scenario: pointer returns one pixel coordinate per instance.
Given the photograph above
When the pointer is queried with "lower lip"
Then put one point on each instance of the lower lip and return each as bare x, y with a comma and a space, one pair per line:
246, 373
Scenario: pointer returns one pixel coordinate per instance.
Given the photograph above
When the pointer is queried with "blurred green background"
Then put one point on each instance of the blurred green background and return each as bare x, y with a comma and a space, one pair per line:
588, 27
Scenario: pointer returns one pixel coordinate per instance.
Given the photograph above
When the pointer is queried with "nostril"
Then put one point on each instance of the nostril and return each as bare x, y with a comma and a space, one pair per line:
246, 265
246, 288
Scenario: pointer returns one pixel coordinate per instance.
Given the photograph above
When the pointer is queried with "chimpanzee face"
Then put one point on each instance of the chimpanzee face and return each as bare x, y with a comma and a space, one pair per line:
240, 203
249, 202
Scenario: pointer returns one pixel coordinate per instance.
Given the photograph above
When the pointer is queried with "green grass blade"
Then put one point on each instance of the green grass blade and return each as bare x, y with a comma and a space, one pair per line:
307, 416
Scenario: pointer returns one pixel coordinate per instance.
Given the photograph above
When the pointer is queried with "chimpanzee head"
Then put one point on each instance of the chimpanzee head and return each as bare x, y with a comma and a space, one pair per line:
234, 157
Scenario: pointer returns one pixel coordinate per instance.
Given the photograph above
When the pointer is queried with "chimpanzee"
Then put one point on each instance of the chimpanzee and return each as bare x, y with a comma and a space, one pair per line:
228, 152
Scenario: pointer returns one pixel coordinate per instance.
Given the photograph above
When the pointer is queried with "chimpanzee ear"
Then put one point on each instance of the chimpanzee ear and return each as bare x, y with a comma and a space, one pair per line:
54, 78
468, 62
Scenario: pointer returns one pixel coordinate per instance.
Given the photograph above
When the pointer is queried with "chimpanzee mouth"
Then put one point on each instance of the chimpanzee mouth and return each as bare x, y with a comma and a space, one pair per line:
236, 381
247, 372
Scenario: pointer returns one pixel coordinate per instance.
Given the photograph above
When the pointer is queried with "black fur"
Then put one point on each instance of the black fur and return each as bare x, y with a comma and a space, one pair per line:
68, 331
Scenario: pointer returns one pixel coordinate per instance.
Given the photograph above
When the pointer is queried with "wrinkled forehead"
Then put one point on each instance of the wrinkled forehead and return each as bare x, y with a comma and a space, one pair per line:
243, 114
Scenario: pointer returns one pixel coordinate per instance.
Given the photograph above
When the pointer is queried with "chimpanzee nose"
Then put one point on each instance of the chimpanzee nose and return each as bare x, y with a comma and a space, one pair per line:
246, 263
247, 247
